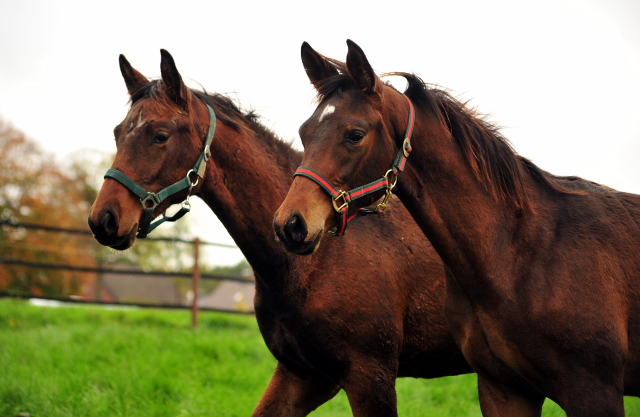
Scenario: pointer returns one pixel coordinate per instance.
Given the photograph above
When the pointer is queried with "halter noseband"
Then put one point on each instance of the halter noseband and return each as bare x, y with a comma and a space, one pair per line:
341, 199
151, 200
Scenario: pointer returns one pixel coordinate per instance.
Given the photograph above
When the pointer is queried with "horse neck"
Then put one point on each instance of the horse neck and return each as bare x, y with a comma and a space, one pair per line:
462, 220
244, 185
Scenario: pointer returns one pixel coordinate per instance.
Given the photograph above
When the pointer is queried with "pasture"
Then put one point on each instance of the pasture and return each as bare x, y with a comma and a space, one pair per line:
84, 361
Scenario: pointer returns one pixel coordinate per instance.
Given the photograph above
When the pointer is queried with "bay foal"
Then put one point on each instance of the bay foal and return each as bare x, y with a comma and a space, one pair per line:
542, 273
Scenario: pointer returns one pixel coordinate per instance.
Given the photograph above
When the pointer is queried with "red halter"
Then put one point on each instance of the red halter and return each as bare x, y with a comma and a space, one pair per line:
342, 207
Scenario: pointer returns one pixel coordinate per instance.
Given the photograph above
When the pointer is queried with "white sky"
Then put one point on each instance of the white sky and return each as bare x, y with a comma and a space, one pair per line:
562, 76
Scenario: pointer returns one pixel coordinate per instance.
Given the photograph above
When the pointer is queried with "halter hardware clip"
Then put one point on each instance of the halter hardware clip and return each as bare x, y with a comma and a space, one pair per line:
345, 205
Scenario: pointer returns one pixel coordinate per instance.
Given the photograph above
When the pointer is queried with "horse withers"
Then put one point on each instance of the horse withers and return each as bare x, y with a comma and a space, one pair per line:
542, 288
349, 316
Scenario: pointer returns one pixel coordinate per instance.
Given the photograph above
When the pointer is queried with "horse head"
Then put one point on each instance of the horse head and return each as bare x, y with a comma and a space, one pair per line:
348, 141
157, 144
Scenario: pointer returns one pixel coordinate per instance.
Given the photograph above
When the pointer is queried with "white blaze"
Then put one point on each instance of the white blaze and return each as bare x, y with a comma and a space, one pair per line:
327, 111
133, 130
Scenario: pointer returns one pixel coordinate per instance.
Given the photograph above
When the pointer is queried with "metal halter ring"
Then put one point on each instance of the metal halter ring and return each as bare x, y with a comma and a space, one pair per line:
386, 175
193, 184
151, 197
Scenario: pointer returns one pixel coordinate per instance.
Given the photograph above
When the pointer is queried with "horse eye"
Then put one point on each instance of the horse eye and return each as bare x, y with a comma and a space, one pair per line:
355, 136
160, 138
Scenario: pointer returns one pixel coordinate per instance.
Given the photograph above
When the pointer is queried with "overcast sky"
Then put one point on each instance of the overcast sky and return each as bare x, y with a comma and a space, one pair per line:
561, 76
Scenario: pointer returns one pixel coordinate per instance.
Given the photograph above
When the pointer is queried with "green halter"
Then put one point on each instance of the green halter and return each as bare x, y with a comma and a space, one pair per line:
151, 200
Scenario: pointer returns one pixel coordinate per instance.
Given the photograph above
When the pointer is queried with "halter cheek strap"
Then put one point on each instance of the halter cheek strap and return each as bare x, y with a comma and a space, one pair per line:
151, 200
341, 199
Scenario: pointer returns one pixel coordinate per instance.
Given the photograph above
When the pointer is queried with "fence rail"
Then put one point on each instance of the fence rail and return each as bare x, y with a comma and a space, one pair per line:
88, 233
119, 271
195, 274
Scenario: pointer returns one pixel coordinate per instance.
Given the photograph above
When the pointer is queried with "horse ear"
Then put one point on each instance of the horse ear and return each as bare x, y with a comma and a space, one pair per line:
174, 86
132, 78
360, 69
316, 66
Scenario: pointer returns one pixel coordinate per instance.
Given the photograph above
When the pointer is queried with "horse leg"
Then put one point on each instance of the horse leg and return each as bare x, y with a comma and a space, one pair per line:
602, 404
371, 395
588, 396
496, 400
289, 395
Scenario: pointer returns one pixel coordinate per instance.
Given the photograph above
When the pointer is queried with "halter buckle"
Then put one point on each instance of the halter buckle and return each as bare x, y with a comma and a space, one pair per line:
406, 146
334, 201
150, 197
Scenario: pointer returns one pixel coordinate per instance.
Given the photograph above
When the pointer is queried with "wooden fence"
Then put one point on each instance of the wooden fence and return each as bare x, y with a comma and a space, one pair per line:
195, 274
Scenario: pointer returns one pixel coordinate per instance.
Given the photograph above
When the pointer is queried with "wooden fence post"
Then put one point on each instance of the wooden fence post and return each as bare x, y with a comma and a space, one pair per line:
195, 282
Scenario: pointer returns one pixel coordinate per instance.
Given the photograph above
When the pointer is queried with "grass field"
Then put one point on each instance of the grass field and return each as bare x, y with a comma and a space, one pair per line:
72, 361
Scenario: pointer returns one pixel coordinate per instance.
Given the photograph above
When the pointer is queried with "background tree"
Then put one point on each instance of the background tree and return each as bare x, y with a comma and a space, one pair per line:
33, 189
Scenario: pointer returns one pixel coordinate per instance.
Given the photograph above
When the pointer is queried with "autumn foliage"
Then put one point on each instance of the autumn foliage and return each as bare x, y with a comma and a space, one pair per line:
34, 189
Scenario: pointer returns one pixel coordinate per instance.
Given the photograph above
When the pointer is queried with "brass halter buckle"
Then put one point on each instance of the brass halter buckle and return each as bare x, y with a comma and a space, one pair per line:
405, 146
334, 201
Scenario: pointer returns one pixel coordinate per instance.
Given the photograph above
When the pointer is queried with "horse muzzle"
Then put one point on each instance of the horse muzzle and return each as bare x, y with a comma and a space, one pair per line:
293, 234
105, 228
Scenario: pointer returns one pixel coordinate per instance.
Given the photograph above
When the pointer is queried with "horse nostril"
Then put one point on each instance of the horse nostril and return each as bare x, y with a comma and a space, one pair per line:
296, 228
109, 222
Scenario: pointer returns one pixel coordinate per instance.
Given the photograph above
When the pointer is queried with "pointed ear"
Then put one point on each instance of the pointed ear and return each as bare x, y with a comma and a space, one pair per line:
316, 66
132, 78
174, 87
360, 69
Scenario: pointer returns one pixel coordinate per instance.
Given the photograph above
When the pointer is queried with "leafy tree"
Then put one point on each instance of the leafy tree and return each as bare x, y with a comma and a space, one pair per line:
33, 189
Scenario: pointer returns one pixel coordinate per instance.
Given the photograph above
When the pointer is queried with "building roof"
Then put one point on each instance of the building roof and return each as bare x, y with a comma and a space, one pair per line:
230, 295
144, 289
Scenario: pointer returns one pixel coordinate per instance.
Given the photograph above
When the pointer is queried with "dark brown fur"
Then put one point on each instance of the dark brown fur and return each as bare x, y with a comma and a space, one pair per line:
543, 295
355, 315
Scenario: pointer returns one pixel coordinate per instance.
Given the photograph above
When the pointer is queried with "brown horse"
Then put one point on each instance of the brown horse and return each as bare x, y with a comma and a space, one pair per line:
355, 315
542, 286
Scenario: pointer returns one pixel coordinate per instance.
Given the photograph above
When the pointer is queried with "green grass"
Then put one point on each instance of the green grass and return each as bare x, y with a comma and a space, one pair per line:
93, 362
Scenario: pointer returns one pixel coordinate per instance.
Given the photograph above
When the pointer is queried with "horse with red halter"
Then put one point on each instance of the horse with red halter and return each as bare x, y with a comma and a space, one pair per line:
542, 286
354, 315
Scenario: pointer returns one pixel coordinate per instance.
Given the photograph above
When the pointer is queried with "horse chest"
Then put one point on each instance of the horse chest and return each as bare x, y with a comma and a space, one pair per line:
481, 338
296, 338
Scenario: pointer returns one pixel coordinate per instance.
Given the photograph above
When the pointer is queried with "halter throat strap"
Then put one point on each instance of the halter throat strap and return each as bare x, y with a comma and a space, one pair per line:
150, 200
341, 199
